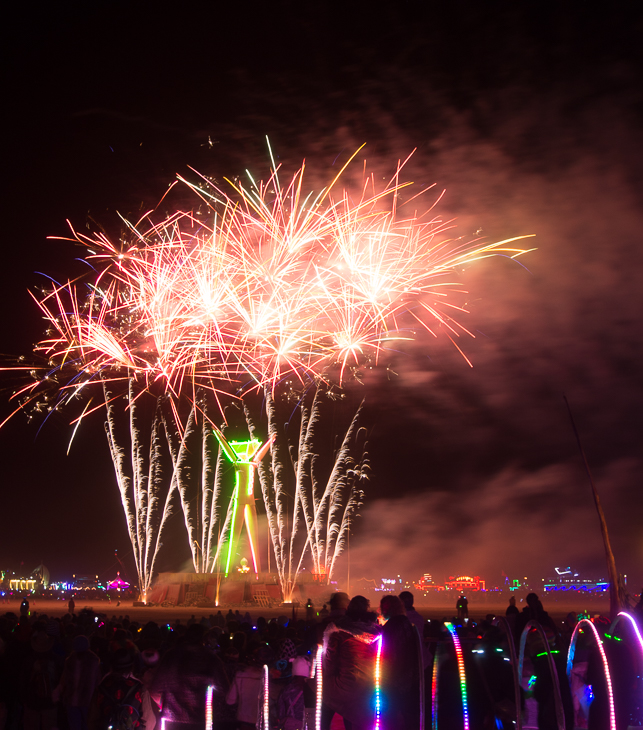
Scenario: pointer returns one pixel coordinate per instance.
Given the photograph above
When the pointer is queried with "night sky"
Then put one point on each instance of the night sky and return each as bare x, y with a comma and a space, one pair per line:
529, 115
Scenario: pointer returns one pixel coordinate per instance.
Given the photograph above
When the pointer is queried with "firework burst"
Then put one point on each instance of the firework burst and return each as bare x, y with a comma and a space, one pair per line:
268, 283
256, 284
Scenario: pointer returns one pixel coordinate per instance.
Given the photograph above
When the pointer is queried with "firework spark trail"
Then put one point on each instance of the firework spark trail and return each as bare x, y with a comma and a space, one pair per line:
215, 516
181, 479
302, 465
344, 508
328, 504
140, 485
325, 510
208, 486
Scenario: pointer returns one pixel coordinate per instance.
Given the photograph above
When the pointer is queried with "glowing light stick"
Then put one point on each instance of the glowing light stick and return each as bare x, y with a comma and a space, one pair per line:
378, 683
461, 672
317, 672
608, 677
266, 697
208, 707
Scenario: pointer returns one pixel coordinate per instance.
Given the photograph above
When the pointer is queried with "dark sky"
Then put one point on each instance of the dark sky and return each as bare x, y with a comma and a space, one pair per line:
528, 114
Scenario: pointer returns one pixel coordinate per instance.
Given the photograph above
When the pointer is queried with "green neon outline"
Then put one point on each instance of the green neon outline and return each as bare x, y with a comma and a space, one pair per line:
235, 498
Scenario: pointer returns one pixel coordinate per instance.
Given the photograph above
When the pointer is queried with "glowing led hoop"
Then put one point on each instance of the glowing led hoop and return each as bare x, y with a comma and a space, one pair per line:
378, 683
463, 677
208, 707
266, 697
608, 677
558, 702
502, 621
637, 631
162, 723
317, 671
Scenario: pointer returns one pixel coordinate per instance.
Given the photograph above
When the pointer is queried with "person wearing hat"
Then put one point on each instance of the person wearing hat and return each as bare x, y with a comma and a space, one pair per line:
120, 700
296, 696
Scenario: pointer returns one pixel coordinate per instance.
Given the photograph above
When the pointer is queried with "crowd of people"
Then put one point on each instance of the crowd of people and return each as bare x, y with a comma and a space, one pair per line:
87, 672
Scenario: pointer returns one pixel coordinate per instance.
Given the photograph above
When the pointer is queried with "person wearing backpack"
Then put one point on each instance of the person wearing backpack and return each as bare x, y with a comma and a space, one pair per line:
121, 701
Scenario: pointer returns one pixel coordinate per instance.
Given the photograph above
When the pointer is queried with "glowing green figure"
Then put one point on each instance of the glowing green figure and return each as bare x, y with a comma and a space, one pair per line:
245, 457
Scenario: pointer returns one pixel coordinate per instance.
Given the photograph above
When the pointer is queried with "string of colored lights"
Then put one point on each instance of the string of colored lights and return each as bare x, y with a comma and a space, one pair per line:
266, 698
317, 672
208, 707
608, 677
378, 683
461, 672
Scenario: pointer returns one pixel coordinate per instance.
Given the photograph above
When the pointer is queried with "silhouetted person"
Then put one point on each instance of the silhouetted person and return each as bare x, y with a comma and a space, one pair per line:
349, 666
39, 676
182, 677
534, 611
462, 607
120, 695
418, 621
512, 613
247, 686
401, 655
338, 604
310, 611
79, 680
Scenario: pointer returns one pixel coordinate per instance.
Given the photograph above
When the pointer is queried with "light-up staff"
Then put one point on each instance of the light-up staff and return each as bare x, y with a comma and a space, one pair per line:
245, 457
608, 676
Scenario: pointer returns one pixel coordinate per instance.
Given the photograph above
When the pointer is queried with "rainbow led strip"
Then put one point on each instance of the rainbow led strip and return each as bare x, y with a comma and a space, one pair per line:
208, 707
317, 672
266, 698
378, 683
434, 692
608, 677
463, 677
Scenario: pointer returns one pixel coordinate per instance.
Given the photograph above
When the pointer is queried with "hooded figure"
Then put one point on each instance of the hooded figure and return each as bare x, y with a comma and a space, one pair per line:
349, 665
